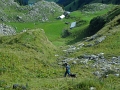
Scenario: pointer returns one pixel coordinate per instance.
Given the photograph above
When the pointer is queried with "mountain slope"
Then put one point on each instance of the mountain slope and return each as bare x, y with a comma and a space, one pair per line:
25, 55
41, 11
103, 32
98, 54
98, 22
72, 5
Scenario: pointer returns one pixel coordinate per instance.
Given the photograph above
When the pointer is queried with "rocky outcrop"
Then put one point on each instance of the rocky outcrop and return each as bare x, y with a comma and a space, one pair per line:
94, 7
40, 11
6, 30
102, 67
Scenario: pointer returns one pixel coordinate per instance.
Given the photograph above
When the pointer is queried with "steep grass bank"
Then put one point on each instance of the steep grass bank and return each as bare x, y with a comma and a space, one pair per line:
26, 55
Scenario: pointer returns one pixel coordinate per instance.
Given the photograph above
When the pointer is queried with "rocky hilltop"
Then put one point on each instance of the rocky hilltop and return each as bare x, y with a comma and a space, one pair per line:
11, 11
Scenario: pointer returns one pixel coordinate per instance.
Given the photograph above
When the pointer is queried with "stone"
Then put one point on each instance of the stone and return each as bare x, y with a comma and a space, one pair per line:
6, 30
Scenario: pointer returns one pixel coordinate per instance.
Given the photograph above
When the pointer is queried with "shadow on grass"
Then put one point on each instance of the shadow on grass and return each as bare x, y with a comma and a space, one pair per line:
79, 36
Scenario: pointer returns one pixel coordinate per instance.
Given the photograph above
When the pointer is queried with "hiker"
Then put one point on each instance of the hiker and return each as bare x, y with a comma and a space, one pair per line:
67, 70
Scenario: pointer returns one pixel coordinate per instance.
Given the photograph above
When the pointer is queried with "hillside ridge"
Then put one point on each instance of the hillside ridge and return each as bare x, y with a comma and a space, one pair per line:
72, 5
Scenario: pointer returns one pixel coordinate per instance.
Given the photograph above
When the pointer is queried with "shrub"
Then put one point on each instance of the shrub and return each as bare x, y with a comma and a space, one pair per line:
65, 33
2, 70
2, 83
84, 85
96, 24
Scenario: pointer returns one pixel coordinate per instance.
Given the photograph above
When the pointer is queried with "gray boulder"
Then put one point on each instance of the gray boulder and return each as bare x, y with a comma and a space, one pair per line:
6, 30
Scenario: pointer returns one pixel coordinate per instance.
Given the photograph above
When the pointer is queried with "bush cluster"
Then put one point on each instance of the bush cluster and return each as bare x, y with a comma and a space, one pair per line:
96, 24
65, 33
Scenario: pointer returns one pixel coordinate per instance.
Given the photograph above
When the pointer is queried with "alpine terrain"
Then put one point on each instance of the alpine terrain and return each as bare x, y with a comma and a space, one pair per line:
39, 37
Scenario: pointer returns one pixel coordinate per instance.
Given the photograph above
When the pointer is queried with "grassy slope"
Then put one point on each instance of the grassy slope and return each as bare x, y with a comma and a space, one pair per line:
25, 56
83, 19
110, 46
36, 65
